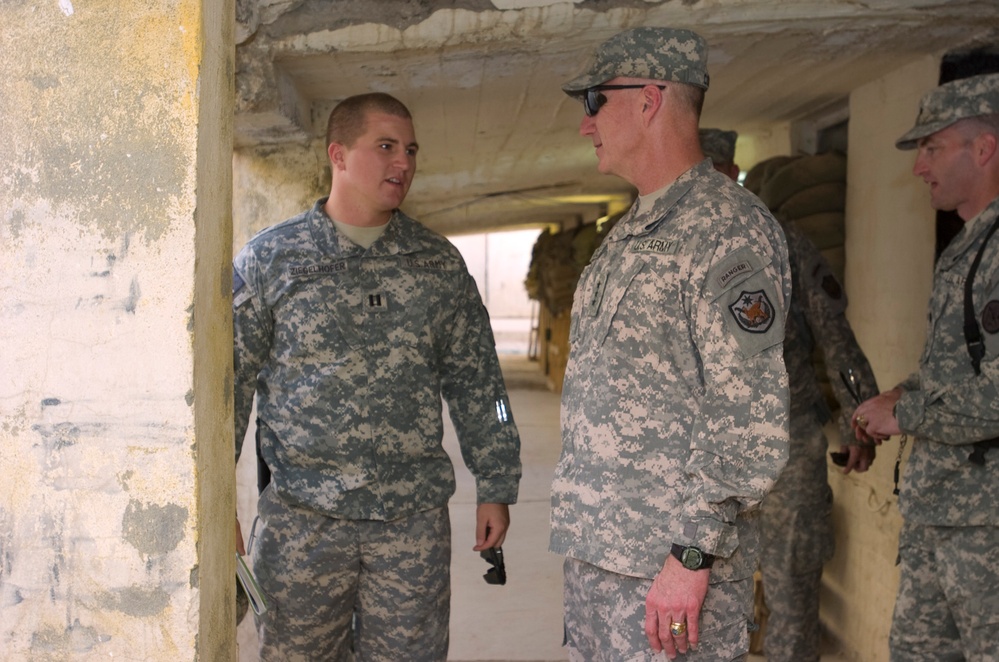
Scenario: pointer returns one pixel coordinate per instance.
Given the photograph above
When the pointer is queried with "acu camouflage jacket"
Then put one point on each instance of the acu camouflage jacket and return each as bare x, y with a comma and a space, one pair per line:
349, 352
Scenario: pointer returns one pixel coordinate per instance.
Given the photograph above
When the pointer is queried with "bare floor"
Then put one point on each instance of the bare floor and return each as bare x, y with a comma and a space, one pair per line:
521, 621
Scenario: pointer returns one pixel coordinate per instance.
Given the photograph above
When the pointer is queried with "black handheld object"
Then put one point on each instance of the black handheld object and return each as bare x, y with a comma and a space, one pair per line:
839, 459
497, 573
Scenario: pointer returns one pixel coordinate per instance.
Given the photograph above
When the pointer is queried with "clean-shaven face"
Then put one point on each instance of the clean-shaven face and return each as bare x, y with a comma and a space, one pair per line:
944, 161
382, 161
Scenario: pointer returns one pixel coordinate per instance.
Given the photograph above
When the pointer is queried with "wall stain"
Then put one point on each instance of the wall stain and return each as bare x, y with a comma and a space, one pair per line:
152, 529
131, 303
136, 601
124, 478
76, 638
58, 436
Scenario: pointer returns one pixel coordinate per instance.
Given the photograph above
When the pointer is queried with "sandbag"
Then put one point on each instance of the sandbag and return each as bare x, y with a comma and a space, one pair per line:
800, 174
825, 230
828, 197
762, 171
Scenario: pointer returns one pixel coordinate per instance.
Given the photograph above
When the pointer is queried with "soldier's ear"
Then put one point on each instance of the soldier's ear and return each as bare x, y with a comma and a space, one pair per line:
987, 148
337, 154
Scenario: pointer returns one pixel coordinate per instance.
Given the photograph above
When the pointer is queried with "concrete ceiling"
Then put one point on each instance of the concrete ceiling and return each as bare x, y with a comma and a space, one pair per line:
499, 143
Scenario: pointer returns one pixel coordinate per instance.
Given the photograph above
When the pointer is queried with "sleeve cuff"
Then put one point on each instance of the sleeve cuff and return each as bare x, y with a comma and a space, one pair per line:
709, 535
497, 490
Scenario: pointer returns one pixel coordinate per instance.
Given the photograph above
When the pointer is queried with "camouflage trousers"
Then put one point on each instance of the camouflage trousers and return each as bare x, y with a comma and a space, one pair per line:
796, 536
605, 618
379, 591
947, 609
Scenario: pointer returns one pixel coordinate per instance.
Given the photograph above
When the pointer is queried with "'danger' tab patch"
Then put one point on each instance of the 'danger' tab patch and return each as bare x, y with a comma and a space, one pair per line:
753, 311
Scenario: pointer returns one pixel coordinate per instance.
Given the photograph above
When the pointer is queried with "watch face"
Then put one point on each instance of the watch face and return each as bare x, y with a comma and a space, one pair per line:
692, 559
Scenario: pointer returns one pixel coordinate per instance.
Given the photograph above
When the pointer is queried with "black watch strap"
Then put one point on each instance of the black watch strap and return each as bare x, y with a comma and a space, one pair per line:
692, 558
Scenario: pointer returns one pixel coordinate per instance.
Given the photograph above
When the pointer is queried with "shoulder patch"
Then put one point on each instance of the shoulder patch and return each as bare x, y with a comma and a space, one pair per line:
753, 311
990, 317
240, 292
734, 269
832, 287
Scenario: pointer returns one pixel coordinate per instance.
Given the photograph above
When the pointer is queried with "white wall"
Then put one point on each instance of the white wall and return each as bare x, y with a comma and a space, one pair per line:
499, 261
889, 248
116, 501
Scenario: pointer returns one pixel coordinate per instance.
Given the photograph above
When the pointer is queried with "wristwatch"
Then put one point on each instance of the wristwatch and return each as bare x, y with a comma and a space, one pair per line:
691, 557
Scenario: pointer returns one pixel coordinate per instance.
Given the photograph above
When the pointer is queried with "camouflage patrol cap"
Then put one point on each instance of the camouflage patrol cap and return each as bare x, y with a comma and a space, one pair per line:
950, 102
666, 54
718, 145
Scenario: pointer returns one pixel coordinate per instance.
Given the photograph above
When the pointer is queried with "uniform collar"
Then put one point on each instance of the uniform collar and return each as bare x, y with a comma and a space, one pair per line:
970, 234
649, 211
394, 241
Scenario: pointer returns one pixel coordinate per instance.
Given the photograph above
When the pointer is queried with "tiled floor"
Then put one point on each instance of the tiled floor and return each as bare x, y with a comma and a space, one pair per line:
521, 621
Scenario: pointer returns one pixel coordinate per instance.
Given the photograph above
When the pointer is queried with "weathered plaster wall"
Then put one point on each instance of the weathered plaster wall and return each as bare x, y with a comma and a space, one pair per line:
114, 245
762, 144
272, 183
889, 244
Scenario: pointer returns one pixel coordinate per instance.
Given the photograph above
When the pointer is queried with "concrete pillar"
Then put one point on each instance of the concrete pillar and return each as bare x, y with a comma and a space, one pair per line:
116, 496
889, 271
272, 183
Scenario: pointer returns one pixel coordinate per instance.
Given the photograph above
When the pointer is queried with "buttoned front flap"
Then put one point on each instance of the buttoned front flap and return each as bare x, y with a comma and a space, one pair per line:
747, 298
604, 295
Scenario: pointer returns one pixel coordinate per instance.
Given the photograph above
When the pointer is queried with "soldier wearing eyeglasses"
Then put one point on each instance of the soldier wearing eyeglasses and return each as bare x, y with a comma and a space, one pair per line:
675, 402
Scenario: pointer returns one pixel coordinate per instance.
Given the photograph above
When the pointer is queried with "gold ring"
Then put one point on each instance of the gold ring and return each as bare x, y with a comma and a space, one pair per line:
677, 628
861, 421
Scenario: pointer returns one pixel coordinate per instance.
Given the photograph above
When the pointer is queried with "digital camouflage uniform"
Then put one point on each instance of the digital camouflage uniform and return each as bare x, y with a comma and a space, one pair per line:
349, 351
796, 517
718, 145
948, 600
675, 402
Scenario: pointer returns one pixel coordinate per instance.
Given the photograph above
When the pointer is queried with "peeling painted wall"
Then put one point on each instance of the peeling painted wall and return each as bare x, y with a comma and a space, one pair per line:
272, 183
101, 204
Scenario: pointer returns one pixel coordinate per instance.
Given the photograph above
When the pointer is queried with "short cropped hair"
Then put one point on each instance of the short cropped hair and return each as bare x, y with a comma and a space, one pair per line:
347, 120
689, 96
986, 123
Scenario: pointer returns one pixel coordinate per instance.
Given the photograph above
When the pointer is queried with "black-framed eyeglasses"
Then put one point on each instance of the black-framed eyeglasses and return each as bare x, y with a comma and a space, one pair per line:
497, 573
593, 99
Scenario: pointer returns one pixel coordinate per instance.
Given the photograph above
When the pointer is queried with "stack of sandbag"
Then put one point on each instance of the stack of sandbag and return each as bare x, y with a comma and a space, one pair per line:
809, 191
553, 273
558, 260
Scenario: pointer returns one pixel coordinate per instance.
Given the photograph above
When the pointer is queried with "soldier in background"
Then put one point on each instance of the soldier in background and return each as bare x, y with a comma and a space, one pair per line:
796, 517
351, 321
948, 596
674, 408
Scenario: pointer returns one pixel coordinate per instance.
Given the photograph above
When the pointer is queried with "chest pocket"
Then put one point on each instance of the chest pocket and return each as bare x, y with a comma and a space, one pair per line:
397, 319
313, 318
604, 300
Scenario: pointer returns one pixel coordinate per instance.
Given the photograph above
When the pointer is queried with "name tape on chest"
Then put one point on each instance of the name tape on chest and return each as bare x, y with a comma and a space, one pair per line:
432, 264
661, 246
329, 268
